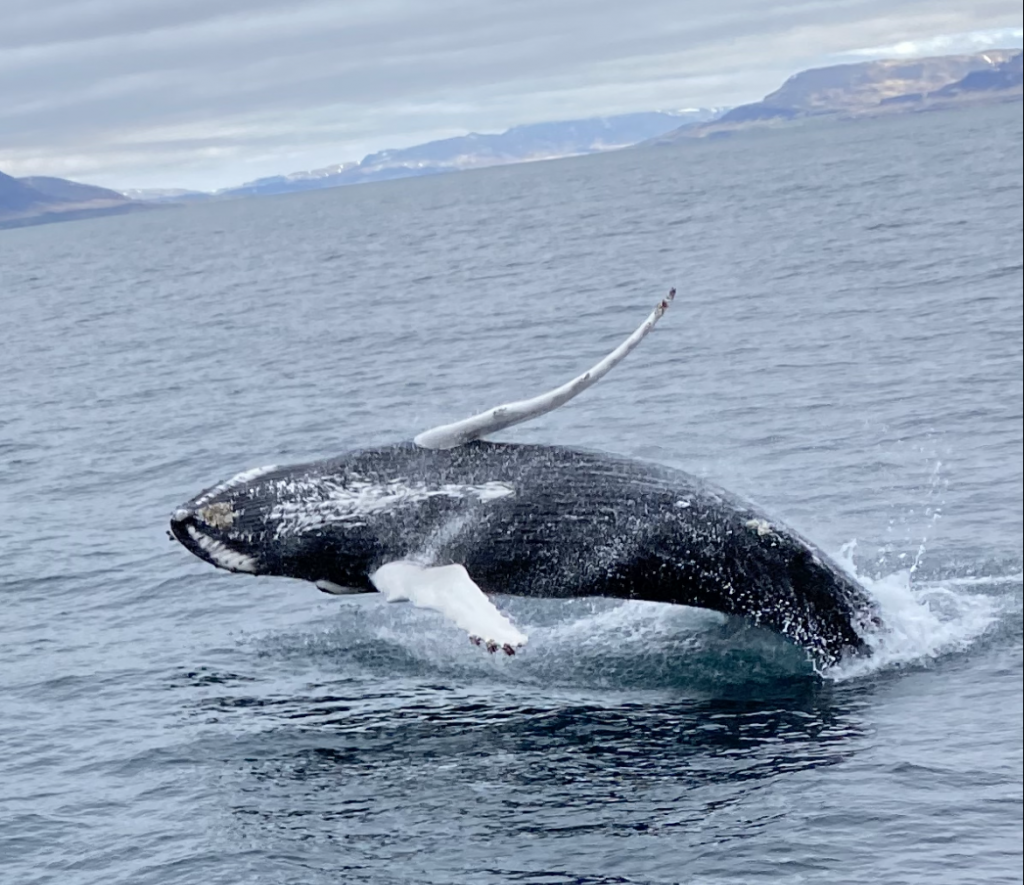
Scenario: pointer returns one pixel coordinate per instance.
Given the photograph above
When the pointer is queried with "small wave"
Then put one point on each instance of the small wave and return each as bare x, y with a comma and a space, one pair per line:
980, 581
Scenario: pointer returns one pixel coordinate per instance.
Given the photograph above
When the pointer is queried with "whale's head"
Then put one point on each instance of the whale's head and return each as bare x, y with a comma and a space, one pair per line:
313, 522
225, 525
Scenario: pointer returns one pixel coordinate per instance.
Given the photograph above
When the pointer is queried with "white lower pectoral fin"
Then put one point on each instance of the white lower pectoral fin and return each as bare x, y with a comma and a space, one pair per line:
448, 436
449, 590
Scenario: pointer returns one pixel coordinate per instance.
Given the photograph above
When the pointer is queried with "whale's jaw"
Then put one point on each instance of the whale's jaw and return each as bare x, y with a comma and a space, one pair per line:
209, 544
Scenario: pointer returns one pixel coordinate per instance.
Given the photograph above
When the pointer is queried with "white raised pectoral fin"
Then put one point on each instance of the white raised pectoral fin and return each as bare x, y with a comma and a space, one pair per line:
449, 590
448, 436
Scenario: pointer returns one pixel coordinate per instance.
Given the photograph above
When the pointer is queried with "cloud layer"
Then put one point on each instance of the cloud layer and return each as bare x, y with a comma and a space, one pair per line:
209, 92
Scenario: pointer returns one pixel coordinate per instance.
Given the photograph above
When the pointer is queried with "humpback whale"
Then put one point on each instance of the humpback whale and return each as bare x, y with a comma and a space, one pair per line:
449, 518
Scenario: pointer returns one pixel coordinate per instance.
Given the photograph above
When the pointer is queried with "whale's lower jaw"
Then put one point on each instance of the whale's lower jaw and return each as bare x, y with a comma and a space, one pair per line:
536, 521
223, 556
209, 549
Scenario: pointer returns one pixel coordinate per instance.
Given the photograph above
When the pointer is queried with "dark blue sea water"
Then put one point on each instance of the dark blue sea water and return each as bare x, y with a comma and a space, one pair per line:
846, 349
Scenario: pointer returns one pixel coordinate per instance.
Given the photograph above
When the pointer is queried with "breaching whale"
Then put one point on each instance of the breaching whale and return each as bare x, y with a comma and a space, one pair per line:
448, 518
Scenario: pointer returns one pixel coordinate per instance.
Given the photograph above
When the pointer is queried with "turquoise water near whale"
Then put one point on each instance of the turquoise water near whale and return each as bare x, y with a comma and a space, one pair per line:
845, 349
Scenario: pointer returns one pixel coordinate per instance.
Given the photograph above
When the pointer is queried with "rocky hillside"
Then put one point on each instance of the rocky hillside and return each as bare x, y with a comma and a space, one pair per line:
1006, 77
874, 87
41, 199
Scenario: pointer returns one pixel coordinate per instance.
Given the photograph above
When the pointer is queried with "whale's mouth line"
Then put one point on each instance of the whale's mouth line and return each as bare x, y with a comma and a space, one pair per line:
211, 550
180, 522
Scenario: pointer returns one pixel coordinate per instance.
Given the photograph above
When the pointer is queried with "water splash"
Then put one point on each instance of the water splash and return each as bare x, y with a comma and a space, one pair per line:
636, 645
915, 543
934, 514
575, 644
923, 620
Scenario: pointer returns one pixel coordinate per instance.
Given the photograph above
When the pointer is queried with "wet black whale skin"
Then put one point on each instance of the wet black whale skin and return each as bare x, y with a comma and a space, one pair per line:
574, 523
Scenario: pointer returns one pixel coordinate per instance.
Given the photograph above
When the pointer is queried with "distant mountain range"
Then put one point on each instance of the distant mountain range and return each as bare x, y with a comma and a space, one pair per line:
873, 88
40, 200
538, 141
839, 92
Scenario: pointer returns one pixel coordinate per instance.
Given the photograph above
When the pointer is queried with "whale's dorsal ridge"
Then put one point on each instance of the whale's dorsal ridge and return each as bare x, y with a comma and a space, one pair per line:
448, 436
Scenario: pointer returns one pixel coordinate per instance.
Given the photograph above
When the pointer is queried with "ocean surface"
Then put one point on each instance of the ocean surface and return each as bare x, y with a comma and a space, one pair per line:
845, 350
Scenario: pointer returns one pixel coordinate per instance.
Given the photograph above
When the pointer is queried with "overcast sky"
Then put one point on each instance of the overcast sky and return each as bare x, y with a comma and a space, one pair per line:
208, 93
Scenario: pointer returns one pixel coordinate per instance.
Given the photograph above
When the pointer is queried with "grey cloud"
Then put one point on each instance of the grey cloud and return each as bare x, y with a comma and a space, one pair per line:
117, 87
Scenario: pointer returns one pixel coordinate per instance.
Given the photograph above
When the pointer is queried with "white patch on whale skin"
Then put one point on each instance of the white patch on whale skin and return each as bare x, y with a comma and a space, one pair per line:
238, 479
308, 503
449, 590
761, 526
490, 491
221, 554
427, 552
